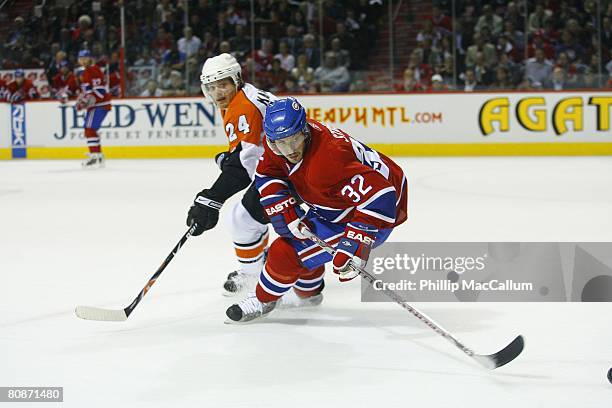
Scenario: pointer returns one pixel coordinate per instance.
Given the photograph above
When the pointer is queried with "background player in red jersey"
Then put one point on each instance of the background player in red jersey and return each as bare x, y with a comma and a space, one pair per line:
64, 85
3, 90
21, 89
353, 207
96, 99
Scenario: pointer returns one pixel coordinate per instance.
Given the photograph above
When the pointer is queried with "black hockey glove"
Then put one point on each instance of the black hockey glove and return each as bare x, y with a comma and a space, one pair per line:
220, 159
204, 212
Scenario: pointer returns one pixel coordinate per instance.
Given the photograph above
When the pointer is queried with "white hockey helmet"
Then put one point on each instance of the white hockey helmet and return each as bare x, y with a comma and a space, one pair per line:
219, 67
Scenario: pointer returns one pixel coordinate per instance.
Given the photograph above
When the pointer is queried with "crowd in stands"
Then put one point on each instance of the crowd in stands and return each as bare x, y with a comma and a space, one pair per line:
298, 48
501, 46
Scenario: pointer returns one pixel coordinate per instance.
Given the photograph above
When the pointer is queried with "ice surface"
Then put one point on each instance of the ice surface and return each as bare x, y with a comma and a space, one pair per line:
70, 237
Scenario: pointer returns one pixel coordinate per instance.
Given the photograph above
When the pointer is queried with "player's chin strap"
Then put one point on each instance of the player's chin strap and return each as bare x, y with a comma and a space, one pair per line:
491, 361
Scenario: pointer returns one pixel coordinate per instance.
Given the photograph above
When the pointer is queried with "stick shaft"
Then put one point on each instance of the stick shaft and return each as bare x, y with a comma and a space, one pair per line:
161, 268
395, 297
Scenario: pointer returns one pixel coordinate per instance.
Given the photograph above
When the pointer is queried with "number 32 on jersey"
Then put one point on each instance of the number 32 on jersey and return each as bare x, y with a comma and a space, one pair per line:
362, 190
243, 127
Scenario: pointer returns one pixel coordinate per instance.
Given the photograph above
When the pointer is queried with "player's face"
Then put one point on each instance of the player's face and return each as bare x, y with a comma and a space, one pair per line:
292, 147
84, 61
222, 92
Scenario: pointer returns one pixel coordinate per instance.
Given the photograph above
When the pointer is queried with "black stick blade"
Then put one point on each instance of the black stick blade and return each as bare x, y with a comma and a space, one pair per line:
504, 356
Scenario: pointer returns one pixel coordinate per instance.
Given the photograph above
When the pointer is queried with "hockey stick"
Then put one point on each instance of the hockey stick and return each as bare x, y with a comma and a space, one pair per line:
120, 315
490, 361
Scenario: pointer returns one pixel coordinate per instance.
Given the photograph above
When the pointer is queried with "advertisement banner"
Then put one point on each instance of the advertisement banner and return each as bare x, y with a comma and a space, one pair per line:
468, 118
18, 131
397, 124
490, 272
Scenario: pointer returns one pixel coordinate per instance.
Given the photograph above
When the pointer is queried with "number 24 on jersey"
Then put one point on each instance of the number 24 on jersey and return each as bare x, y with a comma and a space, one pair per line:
243, 127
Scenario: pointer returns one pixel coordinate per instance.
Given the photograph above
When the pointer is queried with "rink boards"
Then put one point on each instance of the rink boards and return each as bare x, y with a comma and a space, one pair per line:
433, 124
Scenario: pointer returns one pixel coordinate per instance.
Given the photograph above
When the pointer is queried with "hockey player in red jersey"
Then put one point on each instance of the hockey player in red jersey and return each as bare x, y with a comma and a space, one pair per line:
96, 99
355, 195
3, 90
64, 83
21, 89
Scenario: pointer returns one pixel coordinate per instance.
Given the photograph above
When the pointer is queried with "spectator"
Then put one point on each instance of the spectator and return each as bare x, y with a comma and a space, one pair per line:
429, 55
483, 73
502, 80
513, 15
174, 57
428, 32
358, 86
422, 71
470, 83
189, 44
441, 22
293, 41
161, 43
537, 18
65, 41
277, 77
570, 47
152, 90
490, 20
437, 83
264, 57
225, 47
570, 70
240, 43
291, 86
589, 79
145, 59
209, 44
311, 51
331, 76
487, 50
410, 82
163, 78
175, 87
287, 60
347, 40
540, 41
302, 73
342, 55
559, 79
54, 68
505, 47
538, 70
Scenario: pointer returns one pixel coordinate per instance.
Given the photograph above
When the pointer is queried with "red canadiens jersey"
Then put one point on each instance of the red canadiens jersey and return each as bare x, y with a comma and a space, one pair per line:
341, 179
93, 82
26, 92
3, 91
65, 85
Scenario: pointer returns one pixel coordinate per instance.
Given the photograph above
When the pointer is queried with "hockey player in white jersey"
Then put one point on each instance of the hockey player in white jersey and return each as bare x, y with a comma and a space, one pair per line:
242, 108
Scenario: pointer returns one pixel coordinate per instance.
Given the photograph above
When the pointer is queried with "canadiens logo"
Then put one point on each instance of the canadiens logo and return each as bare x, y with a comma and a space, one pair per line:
280, 207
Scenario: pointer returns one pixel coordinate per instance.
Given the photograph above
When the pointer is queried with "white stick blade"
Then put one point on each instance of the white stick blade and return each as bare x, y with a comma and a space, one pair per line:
94, 313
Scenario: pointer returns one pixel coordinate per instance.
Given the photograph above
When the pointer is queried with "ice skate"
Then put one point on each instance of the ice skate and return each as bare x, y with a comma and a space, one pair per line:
238, 282
291, 300
249, 309
93, 160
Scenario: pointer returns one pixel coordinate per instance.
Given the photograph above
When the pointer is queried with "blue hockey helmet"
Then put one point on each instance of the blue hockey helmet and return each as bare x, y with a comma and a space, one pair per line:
84, 53
284, 118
